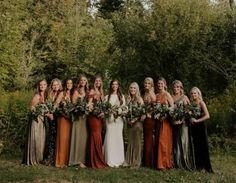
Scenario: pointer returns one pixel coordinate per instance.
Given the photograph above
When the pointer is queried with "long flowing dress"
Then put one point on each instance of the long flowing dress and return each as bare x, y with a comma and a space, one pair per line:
79, 138
51, 142
149, 141
96, 156
134, 149
113, 143
164, 141
35, 144
201, 149
182, 144
63, 140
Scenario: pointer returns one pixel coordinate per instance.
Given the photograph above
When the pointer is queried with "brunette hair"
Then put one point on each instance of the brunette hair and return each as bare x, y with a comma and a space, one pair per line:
119, 93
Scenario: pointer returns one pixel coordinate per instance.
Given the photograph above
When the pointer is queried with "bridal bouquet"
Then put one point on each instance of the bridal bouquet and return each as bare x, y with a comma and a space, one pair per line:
119, 111
160, 110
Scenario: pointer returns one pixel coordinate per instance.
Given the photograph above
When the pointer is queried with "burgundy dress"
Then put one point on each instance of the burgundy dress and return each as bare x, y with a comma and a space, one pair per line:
96, 156
149, 141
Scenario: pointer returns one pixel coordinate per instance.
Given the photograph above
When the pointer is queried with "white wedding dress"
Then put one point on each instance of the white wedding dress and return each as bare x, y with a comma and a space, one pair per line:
113, 143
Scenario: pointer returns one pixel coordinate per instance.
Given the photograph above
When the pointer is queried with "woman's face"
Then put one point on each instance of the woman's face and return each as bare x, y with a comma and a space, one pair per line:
147, 85
42, 86
55, 86
69, 84
132, 90
161, 85
194, 95
176, 89
115, 86
98, 82
82, 81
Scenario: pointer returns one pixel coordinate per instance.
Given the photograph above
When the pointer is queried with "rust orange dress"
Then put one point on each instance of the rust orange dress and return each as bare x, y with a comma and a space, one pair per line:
63, 141
164, 141
96, 156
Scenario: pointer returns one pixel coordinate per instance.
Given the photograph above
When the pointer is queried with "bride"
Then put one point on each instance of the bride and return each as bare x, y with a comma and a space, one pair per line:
113, 143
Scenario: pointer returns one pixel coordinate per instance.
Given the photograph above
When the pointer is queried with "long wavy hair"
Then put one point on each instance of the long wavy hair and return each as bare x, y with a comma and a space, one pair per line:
152, 83
71, 90
196, 89
38, 91
50, 91
119, 93
164, 81
100, 89
179, 84
137, 95
78, 86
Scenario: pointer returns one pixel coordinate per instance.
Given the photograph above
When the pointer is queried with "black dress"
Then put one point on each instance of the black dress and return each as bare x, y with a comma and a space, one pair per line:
201, 150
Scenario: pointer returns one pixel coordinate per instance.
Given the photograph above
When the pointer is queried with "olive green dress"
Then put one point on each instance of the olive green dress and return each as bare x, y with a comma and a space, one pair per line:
134, 148
78, 145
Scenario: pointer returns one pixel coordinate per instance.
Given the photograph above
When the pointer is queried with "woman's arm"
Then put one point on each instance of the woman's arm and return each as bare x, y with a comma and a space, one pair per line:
206, 114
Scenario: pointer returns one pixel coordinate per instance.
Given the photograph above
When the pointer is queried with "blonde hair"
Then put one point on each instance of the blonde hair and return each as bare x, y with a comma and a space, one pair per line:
179, 84
196, 89
151, 81
164, 81
86, 88
51, 90
137, 95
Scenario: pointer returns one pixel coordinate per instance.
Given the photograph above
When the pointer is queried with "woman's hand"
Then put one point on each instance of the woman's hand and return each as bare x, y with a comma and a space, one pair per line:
193, 120
50, 116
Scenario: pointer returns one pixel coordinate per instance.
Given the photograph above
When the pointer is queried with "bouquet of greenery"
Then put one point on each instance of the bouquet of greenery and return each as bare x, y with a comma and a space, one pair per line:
160, 110
81, 106
135, 111
40, 109
192, 111
177, 113
102, 107
65, 108
119, 111
50, 106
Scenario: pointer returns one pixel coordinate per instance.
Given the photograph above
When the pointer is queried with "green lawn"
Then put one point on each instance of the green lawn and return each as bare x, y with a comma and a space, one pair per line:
11, 171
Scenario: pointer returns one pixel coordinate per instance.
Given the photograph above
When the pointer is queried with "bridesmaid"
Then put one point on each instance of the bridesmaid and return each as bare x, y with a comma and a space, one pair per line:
96, 157
164, 130
199, 133
113, 143
35, 144
79, 135
63, 128
149, 124
135, 135
53, 93
182, 143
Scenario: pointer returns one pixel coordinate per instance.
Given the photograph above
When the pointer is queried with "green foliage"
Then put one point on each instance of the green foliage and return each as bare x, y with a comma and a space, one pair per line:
223, 113
14, 110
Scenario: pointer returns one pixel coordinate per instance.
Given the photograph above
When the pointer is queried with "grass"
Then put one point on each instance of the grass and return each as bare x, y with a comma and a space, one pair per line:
11, 170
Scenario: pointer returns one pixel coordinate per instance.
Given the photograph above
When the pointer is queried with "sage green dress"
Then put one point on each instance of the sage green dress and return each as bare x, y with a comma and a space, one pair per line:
134, 148
35, 144
78, 145
182, 144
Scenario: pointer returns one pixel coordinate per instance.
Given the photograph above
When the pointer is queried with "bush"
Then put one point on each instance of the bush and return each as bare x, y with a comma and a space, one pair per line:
223, 113
14, 112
